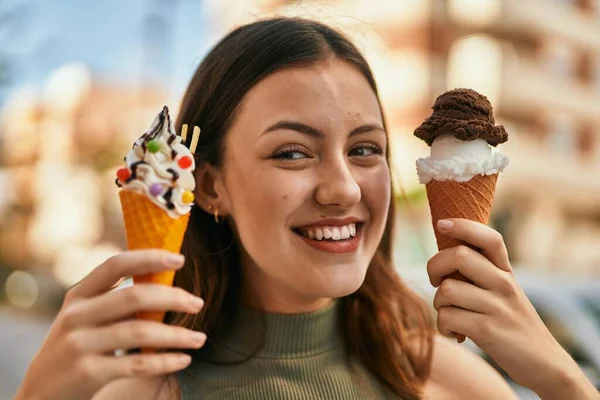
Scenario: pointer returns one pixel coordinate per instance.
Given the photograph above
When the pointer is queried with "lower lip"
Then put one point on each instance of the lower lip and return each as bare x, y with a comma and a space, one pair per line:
337, 247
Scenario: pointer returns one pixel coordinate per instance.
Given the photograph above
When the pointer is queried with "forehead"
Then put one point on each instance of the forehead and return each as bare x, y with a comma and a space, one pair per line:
324, 93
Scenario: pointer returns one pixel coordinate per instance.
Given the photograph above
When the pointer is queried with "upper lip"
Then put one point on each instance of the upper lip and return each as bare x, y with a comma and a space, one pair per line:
332, 222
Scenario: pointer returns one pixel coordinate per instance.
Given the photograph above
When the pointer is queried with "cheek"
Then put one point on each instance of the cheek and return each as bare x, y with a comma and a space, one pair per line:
376, 191
261, 198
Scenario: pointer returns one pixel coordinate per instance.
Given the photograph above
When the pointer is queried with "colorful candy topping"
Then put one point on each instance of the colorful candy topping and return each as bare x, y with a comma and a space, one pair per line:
187, 197
153, 146
185, 162
123, 174
156, 189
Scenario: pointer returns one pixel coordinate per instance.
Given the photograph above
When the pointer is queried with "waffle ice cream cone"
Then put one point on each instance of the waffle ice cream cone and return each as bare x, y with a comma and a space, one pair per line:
461, 173
147, 226
156, 196
450, 199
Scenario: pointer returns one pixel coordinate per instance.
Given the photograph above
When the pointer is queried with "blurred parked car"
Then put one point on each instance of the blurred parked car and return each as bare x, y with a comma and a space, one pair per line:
568, 305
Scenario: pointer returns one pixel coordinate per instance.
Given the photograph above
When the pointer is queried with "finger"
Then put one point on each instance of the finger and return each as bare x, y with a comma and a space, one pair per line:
453, 293
137, 262
137, 333
452, 320
142, 365
481, 236
121, 304
470, 263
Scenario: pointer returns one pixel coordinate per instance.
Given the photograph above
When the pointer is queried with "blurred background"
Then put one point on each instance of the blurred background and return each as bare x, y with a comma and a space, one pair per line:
79, 81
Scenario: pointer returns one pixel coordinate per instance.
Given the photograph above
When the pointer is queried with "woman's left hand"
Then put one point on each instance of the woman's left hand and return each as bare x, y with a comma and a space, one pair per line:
492, 309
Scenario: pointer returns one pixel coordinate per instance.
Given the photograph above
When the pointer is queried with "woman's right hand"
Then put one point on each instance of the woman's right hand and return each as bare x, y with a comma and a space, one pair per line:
77, 357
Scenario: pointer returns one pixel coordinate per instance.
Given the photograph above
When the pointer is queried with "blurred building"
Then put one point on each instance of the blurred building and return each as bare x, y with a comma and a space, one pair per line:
60, 148
538, 61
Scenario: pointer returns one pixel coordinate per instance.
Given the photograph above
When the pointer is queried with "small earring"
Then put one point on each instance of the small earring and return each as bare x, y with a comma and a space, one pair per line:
217, 220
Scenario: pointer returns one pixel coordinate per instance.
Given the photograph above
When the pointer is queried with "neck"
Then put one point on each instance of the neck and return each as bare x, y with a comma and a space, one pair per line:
276, 335
283, 303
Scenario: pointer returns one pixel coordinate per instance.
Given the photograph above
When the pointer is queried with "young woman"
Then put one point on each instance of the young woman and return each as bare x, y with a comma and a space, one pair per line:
289, 246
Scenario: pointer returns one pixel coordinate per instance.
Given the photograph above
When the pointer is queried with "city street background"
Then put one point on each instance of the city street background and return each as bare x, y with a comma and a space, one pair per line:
79, 81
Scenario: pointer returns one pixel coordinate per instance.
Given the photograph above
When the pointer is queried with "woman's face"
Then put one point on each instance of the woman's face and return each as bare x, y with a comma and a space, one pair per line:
306, 184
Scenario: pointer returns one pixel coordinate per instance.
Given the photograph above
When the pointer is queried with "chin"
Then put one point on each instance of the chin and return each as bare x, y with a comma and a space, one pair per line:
340, 292
340, 283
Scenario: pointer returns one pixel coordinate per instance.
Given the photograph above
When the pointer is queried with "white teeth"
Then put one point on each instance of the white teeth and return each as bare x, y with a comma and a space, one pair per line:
345, 232
330, 232
319, 234
335, 234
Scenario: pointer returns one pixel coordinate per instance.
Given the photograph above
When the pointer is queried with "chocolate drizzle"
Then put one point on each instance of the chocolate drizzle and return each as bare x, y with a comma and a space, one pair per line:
153, 134
168, 196
175, 174
134, 170
169, 141
163, 118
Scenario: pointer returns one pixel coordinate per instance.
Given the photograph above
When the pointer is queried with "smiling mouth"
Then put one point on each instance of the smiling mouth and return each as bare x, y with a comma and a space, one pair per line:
330, 233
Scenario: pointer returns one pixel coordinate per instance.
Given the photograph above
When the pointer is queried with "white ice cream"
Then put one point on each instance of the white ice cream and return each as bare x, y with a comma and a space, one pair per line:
159, 175
457, 160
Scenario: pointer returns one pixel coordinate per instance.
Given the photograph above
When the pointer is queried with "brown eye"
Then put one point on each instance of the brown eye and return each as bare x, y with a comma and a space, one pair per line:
365, 150
290, 153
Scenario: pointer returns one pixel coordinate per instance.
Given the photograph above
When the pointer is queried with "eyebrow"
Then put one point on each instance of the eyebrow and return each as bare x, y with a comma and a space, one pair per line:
310, 131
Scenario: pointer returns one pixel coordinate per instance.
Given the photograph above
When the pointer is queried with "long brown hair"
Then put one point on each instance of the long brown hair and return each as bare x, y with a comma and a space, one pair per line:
386, 325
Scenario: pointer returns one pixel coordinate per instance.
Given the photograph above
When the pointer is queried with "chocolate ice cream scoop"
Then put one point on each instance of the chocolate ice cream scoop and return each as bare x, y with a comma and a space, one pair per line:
465, 114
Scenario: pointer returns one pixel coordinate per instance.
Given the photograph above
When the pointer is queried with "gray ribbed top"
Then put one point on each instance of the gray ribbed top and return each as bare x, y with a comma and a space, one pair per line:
302, 357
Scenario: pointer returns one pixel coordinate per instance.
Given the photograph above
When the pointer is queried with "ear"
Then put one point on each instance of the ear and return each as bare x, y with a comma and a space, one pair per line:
210, 190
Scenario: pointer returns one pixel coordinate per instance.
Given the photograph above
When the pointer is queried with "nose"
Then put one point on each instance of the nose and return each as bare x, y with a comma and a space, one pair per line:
337, 186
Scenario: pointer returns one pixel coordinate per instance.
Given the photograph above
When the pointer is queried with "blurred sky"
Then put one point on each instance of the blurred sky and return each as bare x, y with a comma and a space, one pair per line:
119, 40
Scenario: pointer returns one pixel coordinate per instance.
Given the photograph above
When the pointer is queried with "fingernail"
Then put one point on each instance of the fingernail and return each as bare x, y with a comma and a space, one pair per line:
183, 359
196, 302
198, 337
445, 225
174, 260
